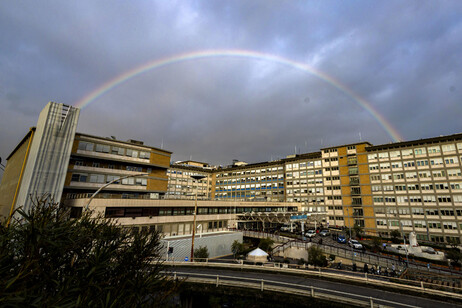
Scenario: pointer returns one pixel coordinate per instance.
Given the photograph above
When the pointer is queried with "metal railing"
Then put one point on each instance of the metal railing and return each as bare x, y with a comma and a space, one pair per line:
286, 287
342, 275
346, 253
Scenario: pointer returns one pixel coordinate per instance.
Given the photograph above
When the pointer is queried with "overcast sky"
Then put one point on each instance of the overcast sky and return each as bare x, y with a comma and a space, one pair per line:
403, 57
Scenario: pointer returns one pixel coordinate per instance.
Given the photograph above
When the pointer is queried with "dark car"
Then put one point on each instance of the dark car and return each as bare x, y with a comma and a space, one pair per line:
341, 239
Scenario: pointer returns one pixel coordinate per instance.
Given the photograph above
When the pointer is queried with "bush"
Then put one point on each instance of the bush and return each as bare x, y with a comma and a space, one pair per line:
266, 244
301, 261
316, 256
201, 253
47, 260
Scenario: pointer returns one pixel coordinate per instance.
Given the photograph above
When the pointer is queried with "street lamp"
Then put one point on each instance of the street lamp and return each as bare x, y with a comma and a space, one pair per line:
405, 246
197, 177
351, 245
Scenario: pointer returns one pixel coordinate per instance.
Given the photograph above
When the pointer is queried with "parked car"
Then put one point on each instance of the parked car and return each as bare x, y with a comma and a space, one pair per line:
324, 232
341, 239
310, 233
355, 244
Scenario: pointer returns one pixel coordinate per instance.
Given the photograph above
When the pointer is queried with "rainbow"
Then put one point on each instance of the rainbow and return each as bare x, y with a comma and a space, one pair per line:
111, 84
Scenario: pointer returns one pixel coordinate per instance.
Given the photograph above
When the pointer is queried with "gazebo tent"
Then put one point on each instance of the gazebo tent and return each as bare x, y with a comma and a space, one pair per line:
257, 255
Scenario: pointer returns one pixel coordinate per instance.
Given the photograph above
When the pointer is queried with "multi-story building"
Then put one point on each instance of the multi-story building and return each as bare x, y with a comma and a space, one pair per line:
138, 171
182, 186
406, 186
134, 180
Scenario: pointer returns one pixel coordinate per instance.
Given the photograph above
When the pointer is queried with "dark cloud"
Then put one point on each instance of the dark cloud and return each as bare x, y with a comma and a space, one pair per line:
403, 58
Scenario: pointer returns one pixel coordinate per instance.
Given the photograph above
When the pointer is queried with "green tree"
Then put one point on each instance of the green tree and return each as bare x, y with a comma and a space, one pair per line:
395, 234
358, 231
201, 253
266, 244
237, 248
316, 256
376, 243
47, 259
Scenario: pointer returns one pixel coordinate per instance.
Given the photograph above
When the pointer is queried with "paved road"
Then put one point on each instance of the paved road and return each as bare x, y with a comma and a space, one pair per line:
336, 286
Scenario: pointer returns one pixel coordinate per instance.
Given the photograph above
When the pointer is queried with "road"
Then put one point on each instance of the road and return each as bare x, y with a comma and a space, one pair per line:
303, 282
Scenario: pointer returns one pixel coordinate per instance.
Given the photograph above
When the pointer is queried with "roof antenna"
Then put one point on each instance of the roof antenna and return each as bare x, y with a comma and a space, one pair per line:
162, 143
360, 139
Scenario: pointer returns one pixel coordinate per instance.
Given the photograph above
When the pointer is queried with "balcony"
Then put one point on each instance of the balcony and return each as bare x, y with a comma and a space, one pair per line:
352, 161
354, 181
353, 170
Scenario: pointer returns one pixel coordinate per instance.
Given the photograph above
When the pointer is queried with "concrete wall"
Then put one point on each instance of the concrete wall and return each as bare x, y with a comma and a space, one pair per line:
218, 244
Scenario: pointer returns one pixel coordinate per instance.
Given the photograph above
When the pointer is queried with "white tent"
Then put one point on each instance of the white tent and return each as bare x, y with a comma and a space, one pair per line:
257, 255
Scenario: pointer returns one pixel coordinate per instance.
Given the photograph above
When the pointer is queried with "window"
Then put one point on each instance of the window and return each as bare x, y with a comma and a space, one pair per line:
406, 152
96, 178
79, 177
451, 160
85, 146
448, 148
433, 150
409, 164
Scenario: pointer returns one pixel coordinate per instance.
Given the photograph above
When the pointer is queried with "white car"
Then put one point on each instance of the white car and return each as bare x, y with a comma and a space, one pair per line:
310, 233
355, 244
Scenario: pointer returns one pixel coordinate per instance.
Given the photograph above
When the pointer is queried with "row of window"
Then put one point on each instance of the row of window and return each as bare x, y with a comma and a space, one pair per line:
411, 187
447, 225
253, 171
446, 148
251, 180
104, 148
102, 178
451, 173
457, 199
418, 211
415, 163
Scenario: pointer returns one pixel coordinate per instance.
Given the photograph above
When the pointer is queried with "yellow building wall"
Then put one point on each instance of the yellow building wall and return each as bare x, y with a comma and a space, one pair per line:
159, 159
10, 178
157, 185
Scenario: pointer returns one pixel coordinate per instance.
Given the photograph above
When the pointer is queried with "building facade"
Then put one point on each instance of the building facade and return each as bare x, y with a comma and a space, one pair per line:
405, 186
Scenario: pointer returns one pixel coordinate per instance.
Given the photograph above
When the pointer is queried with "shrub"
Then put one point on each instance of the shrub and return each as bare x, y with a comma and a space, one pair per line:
201, 253
47, 259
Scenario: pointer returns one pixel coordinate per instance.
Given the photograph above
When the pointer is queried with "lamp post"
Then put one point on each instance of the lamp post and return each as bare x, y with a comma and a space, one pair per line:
351, 245
405, 246
197, 177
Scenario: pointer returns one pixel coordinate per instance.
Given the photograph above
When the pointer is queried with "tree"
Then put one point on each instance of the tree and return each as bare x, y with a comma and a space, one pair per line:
201, 253
47, 259
358, 230
395, 234
237, 248
376, 244
266, 244
316, 256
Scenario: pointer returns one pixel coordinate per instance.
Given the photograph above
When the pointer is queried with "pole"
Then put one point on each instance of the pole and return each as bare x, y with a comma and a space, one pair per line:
405, 246
197, 178
194, 230
349, 227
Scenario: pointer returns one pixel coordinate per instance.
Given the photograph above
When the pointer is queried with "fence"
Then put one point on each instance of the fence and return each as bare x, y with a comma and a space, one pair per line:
348, 253
454, 292
290, 288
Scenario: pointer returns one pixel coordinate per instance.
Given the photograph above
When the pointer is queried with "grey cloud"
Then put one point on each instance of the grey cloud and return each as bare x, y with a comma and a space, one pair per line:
401, 57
